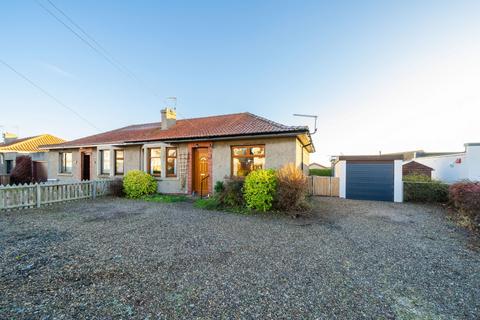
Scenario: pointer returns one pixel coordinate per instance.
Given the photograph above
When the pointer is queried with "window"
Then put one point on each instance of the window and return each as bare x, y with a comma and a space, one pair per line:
171, 162
104, 161
246, 159
154, 163
119, 161
65, 162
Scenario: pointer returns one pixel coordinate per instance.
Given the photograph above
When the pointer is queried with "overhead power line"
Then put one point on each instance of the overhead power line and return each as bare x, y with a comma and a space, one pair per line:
45, 92
86, 38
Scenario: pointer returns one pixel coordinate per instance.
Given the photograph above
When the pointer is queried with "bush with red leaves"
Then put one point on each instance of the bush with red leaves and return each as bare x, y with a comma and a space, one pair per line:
22, 172
465, 196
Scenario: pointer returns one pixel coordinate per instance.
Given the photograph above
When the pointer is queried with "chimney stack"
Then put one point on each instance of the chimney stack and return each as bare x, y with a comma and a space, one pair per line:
9, 137
169, 118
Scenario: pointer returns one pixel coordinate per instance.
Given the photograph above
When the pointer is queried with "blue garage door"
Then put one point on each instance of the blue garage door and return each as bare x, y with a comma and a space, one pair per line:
370, 180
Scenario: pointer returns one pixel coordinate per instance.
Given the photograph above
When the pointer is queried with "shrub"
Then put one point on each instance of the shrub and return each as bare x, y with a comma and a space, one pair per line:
116, 188
432, 192
22, 172
259, 189
219, 187
327, 172
232, 194
292, 189
416, 178
465, 196
137, 183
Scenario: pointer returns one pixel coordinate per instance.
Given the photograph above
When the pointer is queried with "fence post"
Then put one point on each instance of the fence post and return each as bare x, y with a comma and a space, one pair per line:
39, 195
94, 189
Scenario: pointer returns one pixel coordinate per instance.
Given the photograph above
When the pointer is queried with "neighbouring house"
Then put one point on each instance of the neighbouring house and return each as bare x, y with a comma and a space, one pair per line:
449, 166
415, 168
12, 147
186, 156
315, 165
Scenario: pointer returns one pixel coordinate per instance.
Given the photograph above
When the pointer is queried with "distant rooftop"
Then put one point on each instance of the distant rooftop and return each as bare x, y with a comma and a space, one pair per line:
29, 144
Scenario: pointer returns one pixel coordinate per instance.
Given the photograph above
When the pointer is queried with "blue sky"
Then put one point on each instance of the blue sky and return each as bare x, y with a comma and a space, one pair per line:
381, 75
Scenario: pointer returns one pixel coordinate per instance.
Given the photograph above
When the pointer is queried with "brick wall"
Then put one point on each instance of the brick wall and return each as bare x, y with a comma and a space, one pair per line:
416, 168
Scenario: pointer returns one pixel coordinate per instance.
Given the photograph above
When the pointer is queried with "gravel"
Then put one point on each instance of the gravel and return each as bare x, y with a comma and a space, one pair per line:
118, 258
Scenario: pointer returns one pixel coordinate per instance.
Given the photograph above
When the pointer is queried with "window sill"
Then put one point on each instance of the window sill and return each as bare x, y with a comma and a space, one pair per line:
170, 178
65, 174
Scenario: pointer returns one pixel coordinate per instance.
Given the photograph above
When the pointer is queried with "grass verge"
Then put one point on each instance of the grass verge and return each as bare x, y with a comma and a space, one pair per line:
214, 204
165, 198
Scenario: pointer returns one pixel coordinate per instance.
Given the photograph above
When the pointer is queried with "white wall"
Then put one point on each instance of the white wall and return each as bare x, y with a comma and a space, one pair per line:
341, 172
398, 181
473, 161
445, 167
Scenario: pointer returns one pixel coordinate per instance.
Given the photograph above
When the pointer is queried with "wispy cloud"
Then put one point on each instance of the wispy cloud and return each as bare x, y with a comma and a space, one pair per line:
58, 70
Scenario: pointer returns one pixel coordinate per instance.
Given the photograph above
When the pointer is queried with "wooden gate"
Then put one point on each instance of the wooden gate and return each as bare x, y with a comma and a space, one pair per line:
324, 186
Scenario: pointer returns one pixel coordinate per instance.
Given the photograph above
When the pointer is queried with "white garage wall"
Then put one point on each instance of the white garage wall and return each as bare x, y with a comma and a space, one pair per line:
398, 181
445, 167
341, 172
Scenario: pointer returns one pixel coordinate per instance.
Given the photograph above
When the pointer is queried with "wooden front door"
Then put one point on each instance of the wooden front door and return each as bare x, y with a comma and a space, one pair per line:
200, 171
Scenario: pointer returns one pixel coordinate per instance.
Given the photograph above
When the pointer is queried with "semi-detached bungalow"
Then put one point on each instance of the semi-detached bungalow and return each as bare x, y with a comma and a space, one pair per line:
185, 156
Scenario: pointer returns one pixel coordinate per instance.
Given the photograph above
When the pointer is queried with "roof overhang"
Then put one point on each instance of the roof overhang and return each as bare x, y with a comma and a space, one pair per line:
370, 158
304, 136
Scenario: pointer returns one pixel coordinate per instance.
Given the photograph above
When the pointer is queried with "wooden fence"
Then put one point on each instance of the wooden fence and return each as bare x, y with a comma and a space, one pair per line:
324, 186
38, 194
4, 179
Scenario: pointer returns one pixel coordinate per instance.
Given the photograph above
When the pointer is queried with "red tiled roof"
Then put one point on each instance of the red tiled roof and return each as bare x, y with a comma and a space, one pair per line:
208, 127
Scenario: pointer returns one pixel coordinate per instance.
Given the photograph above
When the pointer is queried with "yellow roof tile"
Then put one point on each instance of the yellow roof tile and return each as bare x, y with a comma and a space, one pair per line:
30, 144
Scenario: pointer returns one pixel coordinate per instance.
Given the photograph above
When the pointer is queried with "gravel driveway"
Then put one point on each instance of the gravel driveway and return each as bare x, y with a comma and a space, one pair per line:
117, 258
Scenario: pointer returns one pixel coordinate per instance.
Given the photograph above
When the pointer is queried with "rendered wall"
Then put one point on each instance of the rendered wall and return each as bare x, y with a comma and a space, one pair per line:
447, 168
278, 152
473, 162
341, 172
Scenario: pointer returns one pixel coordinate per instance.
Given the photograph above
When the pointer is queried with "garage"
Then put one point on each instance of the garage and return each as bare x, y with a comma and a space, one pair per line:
370, 177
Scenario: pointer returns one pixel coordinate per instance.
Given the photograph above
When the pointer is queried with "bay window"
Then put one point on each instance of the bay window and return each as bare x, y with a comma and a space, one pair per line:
154, 162
171, 162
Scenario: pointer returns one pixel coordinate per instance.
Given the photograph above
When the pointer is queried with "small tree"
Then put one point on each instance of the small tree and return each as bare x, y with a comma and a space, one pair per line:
22, 172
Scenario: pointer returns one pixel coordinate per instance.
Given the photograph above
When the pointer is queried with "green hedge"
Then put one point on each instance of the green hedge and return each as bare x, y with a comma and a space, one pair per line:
259, 189
432, 192
137, 184
321, 172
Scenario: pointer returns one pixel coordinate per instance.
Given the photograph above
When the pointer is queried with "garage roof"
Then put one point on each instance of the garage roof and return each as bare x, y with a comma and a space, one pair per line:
389, 157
